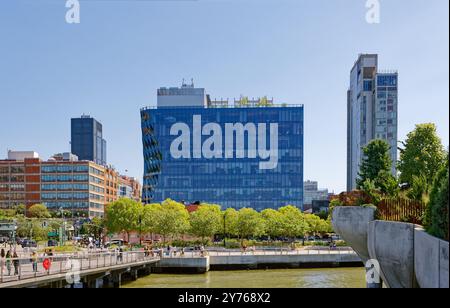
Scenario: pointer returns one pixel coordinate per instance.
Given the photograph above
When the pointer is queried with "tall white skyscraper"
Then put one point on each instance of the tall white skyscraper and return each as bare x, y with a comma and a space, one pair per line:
372, 112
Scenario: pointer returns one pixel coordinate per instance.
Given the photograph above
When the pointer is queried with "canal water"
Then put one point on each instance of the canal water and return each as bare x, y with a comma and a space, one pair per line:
289, 278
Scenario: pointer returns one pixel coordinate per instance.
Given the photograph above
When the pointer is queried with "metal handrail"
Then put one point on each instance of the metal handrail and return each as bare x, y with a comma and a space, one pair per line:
32, 267
282, 251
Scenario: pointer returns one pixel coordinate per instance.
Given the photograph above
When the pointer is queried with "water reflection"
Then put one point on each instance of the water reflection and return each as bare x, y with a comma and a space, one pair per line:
289, 278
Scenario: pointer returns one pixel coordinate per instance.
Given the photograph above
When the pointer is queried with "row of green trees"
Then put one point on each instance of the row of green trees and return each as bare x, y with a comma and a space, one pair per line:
36, 226
171, 219
422, 156
422, 174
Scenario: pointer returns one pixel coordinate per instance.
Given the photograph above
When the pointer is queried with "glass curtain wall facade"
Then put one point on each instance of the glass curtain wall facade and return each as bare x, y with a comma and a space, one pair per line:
229, 182
87, 140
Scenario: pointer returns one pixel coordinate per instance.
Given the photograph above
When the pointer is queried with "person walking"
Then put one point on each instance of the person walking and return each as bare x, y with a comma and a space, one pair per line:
8, 262
121, 254
34, 261
202, 251
2, 259
16, 263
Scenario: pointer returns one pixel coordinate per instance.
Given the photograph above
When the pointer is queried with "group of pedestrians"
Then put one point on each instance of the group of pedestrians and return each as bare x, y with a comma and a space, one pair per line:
332, 245
10, 260
174, 251
245, 249
148, 251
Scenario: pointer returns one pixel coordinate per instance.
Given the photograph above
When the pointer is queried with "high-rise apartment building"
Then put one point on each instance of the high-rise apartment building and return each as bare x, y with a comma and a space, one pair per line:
372, 112
246, 155
87, 140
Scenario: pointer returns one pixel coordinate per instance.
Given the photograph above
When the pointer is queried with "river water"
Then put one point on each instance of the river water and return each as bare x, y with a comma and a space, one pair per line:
289, 278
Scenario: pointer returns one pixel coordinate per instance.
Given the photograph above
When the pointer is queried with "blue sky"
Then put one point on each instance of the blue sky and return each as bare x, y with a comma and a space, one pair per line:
297, 51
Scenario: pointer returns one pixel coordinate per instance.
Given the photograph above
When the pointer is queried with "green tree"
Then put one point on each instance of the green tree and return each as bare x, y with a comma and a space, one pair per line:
436, 219
95, 227
39, 211
150, 217
249, 224
230, 220
174, 219
369, 187
419, 188
323, 215
205, 221
314, 223
31, 228
273, 222
422, 155
7, 214
325, 226
294, 223
243, 101
376, 166
20, 209
264, 102
123, 216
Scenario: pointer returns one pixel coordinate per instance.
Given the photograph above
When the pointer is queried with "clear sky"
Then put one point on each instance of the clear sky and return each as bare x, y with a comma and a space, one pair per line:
297, 51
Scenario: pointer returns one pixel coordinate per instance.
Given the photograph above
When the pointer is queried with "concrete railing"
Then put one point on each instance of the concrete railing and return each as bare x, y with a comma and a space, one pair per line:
431, 260
407, 255
392, 245
351, 222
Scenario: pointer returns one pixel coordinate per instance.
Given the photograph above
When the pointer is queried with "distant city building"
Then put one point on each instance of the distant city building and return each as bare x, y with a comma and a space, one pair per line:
313, 193
65, 156
81, 187
87, 140
129, 188
198, 149
187, 95
320, 206
372, 112
21, 155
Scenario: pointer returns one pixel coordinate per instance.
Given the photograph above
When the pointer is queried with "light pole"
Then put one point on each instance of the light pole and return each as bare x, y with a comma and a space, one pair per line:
62, 228
224, 230
140, 230
14, 232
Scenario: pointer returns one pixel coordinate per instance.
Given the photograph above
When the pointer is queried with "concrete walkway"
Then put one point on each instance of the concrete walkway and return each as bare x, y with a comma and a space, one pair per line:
71, 263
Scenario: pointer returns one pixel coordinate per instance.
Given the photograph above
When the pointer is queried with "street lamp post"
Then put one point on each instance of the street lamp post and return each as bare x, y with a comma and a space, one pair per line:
140, 230
63, 228
14, 233
224, 230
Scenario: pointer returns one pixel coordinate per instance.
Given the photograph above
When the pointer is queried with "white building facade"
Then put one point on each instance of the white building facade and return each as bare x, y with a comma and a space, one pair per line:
372, 112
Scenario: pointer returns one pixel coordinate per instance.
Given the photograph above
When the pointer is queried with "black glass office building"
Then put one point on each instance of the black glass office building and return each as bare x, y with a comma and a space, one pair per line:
87, 140
234, 157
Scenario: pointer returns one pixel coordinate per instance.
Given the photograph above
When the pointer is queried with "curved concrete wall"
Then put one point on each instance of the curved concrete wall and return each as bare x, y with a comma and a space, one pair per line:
351, 223
392, 245
430, 260
407, 255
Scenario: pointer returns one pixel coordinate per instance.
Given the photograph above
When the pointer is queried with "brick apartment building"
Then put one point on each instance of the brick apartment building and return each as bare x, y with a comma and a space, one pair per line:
82, 188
